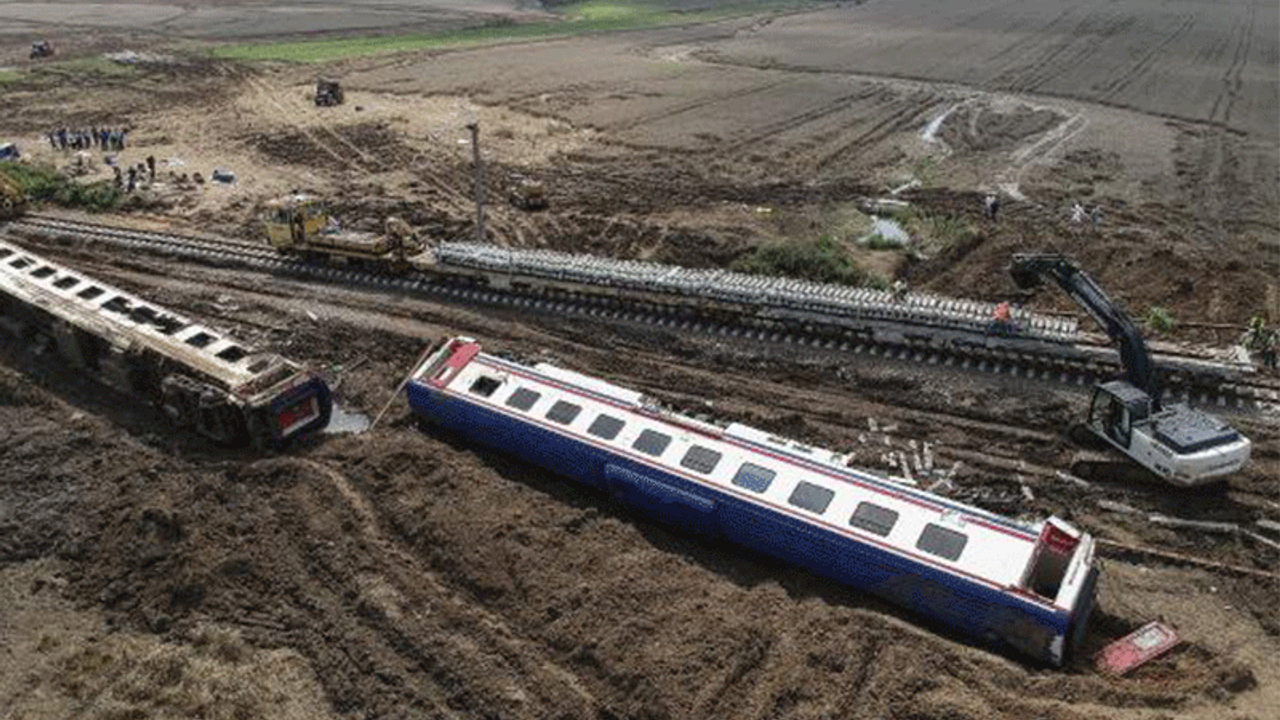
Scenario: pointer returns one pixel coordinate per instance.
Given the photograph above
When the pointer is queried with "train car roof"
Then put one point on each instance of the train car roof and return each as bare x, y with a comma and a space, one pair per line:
111, 313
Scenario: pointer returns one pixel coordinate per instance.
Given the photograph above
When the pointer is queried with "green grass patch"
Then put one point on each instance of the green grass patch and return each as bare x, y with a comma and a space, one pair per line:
1159, 320
937, 231
8, 76
45, 183
95, 65
880, 242
822, 261
575, 19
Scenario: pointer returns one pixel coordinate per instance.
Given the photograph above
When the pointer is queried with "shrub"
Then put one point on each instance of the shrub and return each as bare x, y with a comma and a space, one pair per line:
880, 242
821, 261
44, 182
1159, 320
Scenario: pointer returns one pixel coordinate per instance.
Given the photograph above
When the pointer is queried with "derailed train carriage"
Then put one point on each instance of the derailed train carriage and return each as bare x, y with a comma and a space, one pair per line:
201, 378
1005, 584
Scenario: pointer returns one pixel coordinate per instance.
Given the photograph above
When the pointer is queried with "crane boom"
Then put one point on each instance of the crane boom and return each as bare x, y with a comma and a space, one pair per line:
1029, 268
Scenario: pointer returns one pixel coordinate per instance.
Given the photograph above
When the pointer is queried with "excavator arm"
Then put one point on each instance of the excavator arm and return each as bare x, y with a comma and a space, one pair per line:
1029, 270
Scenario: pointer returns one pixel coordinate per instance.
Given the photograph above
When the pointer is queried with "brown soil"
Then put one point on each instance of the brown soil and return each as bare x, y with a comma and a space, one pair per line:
398, 573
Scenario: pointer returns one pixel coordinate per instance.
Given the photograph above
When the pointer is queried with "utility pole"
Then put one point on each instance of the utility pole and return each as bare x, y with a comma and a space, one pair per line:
474, 127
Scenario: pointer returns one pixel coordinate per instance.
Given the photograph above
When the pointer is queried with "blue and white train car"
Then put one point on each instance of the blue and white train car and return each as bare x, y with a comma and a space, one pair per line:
1004, 584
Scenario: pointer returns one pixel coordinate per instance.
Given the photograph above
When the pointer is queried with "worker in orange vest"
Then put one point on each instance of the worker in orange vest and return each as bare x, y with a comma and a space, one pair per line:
1002, 319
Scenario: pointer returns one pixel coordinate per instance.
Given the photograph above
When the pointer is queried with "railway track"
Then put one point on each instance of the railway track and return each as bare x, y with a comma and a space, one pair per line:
1190, 379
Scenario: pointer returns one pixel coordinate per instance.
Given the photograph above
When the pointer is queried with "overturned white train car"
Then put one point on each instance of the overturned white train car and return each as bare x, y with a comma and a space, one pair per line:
202, 379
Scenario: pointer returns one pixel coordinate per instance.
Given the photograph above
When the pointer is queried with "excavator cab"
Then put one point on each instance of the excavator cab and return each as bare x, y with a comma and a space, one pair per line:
1116, 407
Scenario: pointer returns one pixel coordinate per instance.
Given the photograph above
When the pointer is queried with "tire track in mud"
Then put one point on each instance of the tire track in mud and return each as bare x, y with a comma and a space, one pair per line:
1232, 79
1146, 61
687, 107
910, 113
1217, 149
1080, 45
417, 592
362, 162
794, 122
1009, 180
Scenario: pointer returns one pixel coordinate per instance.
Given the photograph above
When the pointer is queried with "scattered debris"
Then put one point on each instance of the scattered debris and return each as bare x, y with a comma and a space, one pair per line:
1202, 525
1118, 507
1137, 648
1117, 548
1079, 482
131, 57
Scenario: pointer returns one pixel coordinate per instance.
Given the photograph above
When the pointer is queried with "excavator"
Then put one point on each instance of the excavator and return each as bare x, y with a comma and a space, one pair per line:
1181, 445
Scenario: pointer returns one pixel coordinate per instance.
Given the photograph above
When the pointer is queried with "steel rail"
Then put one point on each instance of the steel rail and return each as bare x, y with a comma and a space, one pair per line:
1186, 378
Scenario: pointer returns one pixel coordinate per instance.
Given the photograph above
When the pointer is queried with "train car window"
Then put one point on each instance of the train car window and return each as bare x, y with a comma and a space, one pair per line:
606, 427
200, 340
66, 282
232, 354
21, 262
485, 385
754, 477
118, 304
814, 498
43, 272
873, 518
5, 252
652, 442
563, 412
523, 399
700, 459
90, 293
942, 542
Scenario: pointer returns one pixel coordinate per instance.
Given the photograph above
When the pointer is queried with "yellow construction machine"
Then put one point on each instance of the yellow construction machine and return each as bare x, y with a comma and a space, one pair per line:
301, 225
13, 202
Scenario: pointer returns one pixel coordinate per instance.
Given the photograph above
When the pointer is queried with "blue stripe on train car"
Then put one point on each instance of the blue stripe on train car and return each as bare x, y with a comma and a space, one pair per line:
981, 612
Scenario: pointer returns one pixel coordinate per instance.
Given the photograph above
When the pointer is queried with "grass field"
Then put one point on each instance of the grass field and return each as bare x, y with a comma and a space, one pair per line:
573, 19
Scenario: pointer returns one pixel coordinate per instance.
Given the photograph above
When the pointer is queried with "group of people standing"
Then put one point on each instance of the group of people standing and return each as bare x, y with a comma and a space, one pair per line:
93, 138
136, 173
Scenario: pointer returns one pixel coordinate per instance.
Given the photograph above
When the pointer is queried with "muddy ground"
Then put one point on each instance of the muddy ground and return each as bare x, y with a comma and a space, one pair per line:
397, 573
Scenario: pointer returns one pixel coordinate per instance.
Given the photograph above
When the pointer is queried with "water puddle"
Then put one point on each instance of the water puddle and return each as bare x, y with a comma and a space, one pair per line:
345, 422
930, 132
888, 229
